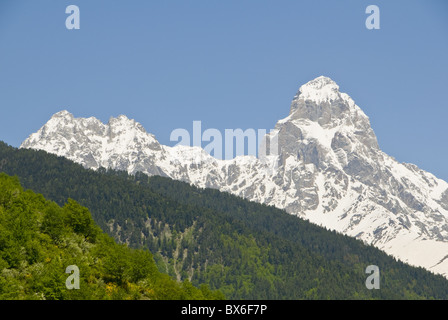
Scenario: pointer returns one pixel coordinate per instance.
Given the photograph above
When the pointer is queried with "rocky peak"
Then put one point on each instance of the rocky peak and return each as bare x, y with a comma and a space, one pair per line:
320, 101
320, 89
62, 114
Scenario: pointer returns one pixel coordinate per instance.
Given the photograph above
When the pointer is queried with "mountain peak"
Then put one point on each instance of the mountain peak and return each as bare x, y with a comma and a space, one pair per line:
123, 123
320, 100
320, 89
63, 114
319, 83
120, 118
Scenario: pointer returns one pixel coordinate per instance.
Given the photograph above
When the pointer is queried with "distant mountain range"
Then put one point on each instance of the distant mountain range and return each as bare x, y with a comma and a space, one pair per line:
329, 170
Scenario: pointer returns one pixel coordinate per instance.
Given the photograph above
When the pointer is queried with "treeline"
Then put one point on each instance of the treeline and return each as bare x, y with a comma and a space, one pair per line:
39, 240
244, 249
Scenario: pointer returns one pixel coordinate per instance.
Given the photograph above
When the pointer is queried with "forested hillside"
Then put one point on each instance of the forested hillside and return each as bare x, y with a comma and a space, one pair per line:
244, 249
39, 240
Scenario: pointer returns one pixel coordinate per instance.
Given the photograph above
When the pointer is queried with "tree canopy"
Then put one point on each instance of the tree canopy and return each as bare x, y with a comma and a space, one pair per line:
39, 240
203, 236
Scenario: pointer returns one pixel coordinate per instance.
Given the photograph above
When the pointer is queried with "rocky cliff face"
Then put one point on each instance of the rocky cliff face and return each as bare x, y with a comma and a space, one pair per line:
328, 169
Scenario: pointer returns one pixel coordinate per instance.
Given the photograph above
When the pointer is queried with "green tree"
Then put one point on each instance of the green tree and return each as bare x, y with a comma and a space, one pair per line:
80, 220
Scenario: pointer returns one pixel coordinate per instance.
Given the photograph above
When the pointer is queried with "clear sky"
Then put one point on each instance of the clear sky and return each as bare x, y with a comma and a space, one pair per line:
229, 63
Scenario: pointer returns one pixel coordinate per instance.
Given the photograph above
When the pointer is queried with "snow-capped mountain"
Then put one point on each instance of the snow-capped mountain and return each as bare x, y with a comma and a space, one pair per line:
329, 170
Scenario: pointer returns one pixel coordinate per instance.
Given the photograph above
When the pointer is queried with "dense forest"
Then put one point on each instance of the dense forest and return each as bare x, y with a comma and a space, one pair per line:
39, 240
244, 249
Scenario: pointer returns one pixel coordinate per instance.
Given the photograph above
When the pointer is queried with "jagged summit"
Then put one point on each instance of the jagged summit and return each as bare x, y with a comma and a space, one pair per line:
91, 141
123, 123
62, 114
321, 101
121, 119
329, 169
323, 118
319, 83
320, 89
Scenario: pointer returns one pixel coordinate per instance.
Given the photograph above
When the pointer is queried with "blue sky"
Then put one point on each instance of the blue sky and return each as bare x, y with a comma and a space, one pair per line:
229, 63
